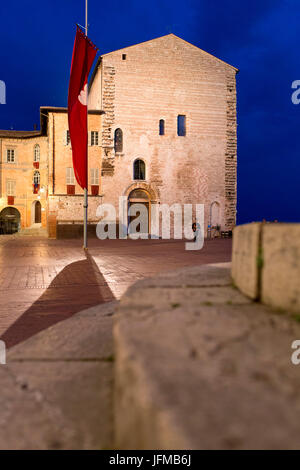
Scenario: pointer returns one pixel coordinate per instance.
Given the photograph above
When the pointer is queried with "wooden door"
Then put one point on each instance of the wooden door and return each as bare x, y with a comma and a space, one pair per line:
37, 213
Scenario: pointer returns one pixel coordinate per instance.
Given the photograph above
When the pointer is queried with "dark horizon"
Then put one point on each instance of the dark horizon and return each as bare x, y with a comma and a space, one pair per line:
257, 37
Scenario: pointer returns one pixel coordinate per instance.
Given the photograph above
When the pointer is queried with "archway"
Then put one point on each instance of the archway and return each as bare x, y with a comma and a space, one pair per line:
36, 209
139, 196
215, 214
150, 190
37, 212
10, 220
215, 220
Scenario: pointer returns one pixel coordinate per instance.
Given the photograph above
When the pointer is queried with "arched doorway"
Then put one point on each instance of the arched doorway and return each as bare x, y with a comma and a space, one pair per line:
10, 220
215, 214
139, 196
37, 212
215, 220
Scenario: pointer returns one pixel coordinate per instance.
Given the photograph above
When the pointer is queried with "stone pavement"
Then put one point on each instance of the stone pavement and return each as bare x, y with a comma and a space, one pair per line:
56, 388
56, 316
193, 363
46, 281
198, 365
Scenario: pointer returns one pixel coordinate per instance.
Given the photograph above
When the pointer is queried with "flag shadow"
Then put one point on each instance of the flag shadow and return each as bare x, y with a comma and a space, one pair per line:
78, 286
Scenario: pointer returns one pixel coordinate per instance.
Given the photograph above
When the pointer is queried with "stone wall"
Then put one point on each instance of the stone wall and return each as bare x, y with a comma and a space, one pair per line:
70, 208
63, 207
231, 152
60, 154
161, 79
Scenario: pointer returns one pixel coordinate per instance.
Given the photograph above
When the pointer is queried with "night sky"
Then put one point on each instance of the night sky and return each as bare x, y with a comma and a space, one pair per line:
260, 37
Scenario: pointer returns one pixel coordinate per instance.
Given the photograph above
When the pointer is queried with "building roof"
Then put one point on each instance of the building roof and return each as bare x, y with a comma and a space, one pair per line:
56, 109
44, 110
19, 134
151, 40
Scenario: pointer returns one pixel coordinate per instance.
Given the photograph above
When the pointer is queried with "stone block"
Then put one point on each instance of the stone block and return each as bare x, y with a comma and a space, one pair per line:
245, 258
192, 374
281, 266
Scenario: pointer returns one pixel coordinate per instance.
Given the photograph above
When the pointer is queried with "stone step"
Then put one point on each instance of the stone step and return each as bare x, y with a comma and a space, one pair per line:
33, 232
196, 367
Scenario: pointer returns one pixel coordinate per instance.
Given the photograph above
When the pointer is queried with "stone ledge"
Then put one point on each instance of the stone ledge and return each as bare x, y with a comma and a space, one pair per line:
245, 247
266, 263
193, 373
280, 277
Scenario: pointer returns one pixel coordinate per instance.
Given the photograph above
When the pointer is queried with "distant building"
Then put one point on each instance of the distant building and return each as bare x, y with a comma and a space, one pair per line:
162, 129
37, 183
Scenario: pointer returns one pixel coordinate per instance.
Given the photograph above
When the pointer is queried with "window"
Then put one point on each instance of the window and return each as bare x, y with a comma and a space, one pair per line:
36, 178
36, 182
123, 56
10, 187
139, 170
36, 153
94, 138
94, 176
162, 127
67, 138
94, 181
118, 141
70, 177
10, 156
181, 127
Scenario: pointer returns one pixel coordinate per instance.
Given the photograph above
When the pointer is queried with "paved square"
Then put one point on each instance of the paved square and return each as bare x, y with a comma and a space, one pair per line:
46, 281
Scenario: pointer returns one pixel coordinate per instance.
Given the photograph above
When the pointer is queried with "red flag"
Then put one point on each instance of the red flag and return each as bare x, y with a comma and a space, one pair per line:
84, 53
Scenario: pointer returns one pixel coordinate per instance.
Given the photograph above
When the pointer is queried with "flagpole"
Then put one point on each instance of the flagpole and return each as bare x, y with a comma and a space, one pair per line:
85, 205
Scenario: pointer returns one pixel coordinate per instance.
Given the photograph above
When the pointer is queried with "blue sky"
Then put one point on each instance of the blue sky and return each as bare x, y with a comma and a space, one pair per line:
260, 37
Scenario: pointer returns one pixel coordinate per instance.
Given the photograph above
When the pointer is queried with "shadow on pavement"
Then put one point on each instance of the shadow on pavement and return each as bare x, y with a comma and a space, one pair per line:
78, 286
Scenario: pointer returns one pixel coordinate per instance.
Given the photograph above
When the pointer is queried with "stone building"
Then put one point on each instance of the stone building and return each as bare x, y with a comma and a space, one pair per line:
65, 196
37, 183
162, 129
23, 179
169, 126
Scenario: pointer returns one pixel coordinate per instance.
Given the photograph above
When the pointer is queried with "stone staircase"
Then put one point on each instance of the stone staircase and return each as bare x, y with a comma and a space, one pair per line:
36, 230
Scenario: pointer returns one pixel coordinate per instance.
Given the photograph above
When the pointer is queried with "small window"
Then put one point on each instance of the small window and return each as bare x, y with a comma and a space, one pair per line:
36, 177
94, 138
10, 187
10, 156
36, 153
162, 127
139, 170
118, 143
123, 56
2, 92
181, 125
95, 176
70, 177
68, 138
